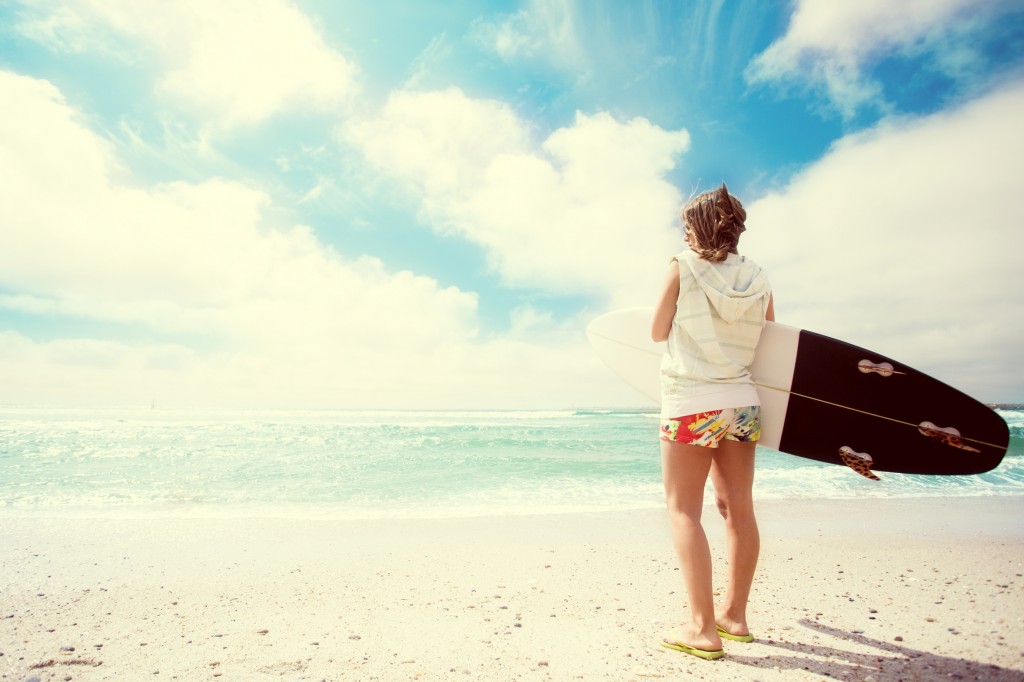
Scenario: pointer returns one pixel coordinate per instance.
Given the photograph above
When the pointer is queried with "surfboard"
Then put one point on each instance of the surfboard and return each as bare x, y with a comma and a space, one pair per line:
831, 401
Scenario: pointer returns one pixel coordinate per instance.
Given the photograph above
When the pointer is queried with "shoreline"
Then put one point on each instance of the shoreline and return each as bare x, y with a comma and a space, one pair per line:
330, 513
911, 588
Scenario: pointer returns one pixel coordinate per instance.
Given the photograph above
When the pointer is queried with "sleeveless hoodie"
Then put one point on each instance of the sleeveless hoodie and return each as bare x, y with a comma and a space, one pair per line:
719, 316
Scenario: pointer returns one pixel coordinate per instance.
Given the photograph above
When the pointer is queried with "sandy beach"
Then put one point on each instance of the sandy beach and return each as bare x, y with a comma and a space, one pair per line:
908, 589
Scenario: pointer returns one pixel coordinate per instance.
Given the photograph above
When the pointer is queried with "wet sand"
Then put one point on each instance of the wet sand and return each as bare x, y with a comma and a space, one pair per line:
851, 590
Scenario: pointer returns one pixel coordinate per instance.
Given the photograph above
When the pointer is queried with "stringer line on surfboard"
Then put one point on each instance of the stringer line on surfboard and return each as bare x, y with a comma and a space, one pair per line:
871, 414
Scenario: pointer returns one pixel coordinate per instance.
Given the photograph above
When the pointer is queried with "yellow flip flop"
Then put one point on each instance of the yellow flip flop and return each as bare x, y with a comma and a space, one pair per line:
736, 638
676, 645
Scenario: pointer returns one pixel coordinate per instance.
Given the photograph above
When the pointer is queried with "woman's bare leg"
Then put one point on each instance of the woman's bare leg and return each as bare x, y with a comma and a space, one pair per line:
732, 474
685, 470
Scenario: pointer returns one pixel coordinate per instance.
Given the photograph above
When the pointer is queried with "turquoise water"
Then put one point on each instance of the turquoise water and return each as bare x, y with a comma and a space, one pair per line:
387, 464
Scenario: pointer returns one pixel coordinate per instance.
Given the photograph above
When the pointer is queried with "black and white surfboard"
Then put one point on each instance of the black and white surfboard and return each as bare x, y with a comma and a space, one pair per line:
834, 402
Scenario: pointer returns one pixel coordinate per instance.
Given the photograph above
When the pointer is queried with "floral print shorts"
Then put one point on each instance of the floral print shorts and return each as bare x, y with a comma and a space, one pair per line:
707, 429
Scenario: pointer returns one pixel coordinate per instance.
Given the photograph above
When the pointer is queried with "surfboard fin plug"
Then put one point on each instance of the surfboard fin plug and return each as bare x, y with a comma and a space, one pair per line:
948, 435
858, 461
883, 368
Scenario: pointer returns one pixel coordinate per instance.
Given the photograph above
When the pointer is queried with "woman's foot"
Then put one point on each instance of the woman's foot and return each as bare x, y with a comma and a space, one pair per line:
686, 639
734, 630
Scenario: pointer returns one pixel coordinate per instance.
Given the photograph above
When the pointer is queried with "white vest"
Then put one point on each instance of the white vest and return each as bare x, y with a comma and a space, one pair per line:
719, 316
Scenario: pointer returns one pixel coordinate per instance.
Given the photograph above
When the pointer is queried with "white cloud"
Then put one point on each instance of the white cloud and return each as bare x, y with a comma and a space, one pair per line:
905, 239
497, 374
177, 256
586, 211
433, 55
438, 142
828, 44
544, 29
234, 62
220, 307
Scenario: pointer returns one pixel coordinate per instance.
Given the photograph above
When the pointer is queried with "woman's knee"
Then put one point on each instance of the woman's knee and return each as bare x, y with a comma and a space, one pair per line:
735, 510
723, 506
684, 508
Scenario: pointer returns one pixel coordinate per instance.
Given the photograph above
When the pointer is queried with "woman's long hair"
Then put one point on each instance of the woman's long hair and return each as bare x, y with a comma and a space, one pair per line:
714, 222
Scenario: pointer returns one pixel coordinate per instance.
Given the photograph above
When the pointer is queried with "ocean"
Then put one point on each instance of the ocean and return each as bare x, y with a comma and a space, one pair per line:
362, 465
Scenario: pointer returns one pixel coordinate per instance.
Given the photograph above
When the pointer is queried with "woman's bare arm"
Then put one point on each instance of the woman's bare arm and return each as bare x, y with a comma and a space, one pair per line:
661, 325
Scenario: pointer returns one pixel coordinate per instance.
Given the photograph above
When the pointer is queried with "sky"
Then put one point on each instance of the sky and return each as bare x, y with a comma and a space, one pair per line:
420, 204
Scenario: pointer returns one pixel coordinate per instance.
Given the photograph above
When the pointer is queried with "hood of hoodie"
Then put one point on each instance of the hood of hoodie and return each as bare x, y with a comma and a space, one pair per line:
732, 286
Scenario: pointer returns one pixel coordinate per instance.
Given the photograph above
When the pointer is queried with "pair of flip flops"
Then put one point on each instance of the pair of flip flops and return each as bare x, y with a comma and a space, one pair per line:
709, 655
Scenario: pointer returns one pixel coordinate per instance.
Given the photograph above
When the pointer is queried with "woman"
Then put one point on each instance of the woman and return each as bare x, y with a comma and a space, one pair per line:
712, 309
